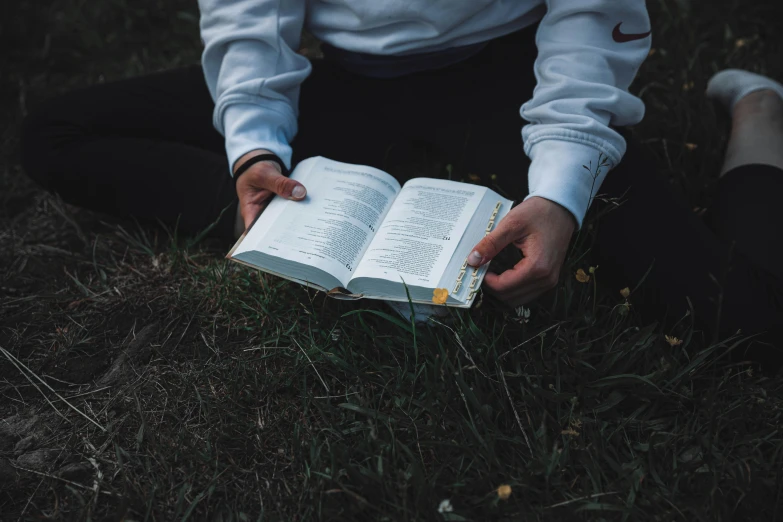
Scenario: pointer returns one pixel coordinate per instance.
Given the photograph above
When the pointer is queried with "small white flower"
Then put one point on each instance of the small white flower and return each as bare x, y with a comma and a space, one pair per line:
445, 507
523, 313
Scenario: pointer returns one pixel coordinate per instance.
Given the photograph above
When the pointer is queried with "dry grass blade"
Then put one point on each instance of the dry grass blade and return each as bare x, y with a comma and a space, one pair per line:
313, 365
462, 346
16, 362
64, 481
13, 361
514, 408
586, 497
537, 336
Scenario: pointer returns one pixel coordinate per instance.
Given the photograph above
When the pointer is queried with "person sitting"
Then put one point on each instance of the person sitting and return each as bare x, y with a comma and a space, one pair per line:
448, 78
403, 85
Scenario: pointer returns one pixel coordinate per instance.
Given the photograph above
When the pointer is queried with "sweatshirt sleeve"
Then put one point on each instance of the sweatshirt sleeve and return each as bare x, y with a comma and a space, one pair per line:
253, 72
588, 54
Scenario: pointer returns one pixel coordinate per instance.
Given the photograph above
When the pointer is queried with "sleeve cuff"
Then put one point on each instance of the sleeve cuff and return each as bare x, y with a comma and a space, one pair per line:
567, 173
249, 127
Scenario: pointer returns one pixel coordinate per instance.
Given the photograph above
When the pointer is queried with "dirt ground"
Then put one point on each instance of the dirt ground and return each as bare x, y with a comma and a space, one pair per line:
142, 377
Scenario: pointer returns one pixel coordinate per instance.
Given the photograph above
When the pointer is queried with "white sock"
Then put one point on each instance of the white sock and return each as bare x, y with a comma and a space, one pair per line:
730, 86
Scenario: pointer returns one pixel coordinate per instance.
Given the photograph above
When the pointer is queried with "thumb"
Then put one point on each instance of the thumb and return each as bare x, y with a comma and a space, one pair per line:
492, 244
276, 183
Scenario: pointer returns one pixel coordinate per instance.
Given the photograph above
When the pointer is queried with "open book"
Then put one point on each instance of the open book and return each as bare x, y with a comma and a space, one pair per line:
358, 233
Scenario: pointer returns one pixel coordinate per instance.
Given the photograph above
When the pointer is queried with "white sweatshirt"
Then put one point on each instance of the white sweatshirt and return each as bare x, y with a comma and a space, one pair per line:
588, 53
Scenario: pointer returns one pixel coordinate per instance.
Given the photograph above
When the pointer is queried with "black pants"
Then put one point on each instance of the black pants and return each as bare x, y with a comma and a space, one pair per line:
146, 148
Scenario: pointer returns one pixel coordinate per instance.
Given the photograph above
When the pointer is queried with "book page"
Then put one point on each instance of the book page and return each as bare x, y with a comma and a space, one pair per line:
333, 226
421, 231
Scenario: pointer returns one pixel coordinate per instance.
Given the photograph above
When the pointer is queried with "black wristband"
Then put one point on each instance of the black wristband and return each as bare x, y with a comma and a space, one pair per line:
261, 157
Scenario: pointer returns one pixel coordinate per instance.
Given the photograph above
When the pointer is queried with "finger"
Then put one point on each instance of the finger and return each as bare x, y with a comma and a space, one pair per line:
520, 296
250, 207
270, 179
525, 297
486, 249
530, 276
528, 272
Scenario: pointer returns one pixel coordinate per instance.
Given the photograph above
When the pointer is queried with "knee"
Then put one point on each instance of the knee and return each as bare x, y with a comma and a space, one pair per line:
42, 130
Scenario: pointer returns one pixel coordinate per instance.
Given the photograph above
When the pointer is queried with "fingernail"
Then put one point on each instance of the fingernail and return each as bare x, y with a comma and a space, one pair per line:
474, 258
298, 192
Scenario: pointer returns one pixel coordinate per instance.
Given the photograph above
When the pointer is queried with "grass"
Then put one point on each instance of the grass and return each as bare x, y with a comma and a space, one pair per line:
207, 391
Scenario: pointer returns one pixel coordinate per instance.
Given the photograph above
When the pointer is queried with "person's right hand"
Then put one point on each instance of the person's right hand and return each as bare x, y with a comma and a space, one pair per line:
259, 183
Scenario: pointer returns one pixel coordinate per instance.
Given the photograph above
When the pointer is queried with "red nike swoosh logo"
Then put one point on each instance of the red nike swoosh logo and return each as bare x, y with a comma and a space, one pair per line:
621, 37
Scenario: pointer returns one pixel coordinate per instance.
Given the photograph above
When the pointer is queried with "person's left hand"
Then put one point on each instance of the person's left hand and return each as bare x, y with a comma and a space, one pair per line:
541, 229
